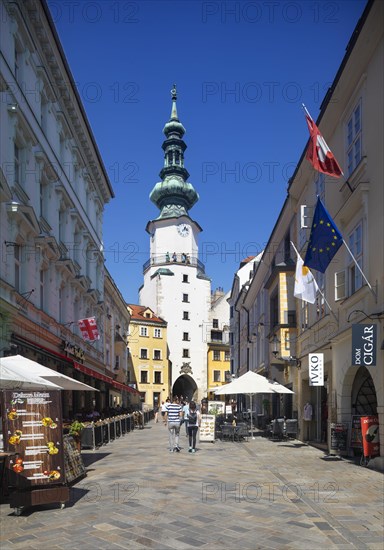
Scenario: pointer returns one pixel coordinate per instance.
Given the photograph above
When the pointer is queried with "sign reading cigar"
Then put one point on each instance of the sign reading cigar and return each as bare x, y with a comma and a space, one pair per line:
364, 342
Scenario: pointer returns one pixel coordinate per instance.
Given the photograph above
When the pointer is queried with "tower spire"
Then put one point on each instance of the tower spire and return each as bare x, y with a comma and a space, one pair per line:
174, 196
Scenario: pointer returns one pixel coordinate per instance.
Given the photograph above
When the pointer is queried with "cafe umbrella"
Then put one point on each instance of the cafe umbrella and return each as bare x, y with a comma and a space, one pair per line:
250, 384
27, 369
11, 380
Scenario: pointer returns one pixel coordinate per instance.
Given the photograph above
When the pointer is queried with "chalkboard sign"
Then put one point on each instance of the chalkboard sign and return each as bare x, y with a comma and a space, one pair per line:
339, 437
73, 463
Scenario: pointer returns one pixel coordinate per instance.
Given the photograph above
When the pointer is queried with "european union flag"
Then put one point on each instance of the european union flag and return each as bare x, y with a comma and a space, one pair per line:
324, 241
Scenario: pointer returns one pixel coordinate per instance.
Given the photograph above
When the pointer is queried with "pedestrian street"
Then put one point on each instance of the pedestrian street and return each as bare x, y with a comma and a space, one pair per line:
254, 494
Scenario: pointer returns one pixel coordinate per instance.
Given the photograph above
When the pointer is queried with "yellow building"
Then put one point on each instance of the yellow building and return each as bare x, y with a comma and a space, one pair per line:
218, 363
148, 355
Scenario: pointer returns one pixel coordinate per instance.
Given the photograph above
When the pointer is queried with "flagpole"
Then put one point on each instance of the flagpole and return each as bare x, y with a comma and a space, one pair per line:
359, 268
330, 309
318, 288
306, 110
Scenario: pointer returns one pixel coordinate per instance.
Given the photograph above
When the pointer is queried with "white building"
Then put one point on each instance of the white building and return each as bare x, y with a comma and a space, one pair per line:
175, 285
53, 189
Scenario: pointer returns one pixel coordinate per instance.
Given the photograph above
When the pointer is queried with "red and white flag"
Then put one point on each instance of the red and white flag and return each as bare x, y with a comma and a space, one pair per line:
88, 329
318, 152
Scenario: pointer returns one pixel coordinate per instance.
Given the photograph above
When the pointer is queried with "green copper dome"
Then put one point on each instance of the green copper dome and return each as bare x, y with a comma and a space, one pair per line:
174, 196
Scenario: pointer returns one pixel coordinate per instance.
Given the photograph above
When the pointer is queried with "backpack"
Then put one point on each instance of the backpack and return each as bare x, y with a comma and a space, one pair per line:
192, 417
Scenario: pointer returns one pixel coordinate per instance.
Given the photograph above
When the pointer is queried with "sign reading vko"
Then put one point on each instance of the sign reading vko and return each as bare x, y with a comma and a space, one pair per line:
316, 369
364, 339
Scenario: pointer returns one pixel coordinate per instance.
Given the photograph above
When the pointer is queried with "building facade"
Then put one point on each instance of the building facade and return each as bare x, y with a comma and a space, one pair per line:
283, 330
148, 355
175, 285
217, 335
54, 188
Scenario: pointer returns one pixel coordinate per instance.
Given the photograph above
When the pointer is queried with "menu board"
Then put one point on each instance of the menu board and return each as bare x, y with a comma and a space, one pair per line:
339, 436
32, 429
356, 439
216, 407
207, 427
73, 463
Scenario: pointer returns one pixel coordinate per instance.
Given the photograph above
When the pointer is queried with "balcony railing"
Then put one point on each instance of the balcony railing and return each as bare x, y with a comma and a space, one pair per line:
167, 260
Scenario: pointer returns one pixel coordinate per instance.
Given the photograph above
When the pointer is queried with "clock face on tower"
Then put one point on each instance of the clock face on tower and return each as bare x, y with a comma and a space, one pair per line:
183, 229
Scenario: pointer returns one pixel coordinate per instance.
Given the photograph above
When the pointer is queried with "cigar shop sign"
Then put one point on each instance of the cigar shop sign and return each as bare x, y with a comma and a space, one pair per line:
364, 342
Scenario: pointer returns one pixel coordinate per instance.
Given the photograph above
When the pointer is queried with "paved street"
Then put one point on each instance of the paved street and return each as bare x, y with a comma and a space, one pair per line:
257, 494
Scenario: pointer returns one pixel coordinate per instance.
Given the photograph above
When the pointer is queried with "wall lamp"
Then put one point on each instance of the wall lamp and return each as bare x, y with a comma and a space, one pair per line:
291, 360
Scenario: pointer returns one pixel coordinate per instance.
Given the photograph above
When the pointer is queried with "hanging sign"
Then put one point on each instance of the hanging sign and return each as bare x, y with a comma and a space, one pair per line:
364, 338
316, 369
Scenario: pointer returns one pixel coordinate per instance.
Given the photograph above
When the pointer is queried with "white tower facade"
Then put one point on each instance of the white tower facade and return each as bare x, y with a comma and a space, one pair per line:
175, 285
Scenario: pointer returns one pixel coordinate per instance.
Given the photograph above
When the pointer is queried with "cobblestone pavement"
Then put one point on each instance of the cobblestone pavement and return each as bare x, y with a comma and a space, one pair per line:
257, 494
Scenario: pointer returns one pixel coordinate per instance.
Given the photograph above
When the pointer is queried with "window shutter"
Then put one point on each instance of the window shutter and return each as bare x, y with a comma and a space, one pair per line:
340, 285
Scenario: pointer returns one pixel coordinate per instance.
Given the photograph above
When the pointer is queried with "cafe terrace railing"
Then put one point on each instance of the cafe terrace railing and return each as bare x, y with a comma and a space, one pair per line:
102, 432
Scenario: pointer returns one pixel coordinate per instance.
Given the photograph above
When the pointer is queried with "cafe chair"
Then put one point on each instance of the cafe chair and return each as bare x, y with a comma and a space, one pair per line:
227, 432
241, 432
277, 430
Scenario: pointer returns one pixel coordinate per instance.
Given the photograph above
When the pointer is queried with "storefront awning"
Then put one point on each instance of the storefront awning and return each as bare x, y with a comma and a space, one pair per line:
104, 378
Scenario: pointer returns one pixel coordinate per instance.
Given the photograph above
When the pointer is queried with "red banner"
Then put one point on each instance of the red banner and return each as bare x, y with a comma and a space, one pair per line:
370, 435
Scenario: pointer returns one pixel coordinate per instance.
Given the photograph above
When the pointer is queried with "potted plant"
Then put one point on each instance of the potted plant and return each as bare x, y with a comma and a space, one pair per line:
75, 430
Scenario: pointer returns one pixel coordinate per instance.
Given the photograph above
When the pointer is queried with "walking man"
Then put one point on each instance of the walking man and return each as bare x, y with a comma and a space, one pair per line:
174, 417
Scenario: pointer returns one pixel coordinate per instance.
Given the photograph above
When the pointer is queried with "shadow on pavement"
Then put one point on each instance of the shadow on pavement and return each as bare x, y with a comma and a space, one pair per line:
90, 458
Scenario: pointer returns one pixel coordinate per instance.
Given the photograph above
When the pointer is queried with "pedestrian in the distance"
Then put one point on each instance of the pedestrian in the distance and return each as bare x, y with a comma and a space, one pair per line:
163, 412
193, 422
185, 416
174, 417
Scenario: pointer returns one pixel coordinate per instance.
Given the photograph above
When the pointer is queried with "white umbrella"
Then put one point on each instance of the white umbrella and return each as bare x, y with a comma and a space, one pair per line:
279, 388
249, 383
27, 368
11, 380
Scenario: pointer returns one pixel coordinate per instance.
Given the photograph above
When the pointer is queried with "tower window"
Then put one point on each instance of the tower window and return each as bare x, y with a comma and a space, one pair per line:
186, 336
185, 315
185, 279
215, 323
185, 298
185, 352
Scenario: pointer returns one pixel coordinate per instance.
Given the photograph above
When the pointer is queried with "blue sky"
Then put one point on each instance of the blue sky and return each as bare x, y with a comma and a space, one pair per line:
242, 70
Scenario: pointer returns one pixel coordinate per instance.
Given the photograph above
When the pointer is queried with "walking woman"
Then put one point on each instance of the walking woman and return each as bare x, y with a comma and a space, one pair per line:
194, 420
